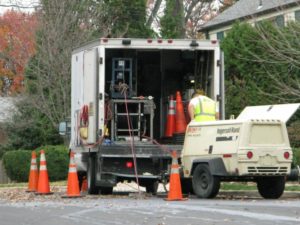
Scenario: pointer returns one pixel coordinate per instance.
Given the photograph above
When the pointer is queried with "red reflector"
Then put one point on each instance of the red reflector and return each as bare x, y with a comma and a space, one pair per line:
159, 40
286, 155
214, 41
170, 41
149, 40
249, 155
105, 40
227, 156
129, 164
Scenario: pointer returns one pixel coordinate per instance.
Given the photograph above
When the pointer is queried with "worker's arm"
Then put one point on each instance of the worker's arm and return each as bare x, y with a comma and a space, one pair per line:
217, 115
191, 111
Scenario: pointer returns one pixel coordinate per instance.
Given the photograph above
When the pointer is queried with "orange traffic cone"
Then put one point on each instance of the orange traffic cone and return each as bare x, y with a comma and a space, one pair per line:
170, 127
175, 193
180, 116
33, 174
73, 184
84, 186
43, 183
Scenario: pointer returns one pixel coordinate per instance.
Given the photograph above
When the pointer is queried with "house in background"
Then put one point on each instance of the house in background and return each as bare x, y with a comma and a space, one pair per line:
7, 107
280, 12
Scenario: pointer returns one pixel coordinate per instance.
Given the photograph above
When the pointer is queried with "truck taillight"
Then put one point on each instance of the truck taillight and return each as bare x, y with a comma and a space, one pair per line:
159, 41
129, 164
249, 155
149, 40
286, 155
170, 41
105, 40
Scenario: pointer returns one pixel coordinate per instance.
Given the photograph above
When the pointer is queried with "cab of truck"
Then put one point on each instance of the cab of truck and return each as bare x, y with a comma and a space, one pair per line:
253, 147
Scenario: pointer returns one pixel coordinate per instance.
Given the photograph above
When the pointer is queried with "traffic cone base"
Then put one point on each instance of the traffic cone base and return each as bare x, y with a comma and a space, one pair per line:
33, 174
175, 192
43, 183
73, 184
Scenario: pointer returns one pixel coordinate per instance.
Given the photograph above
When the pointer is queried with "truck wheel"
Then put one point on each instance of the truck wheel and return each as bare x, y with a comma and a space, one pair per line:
205, 185
106, 190
91, 176
152, 187
271, 187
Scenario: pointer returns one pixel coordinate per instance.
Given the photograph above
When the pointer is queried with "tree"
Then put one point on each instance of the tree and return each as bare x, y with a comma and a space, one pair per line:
185, 16
17, 45
126, 18
261, 65
172, 23
64, 24
29, 130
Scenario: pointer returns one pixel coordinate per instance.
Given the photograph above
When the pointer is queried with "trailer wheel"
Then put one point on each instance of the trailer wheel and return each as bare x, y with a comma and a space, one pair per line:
91, 176
271, 187
205, 185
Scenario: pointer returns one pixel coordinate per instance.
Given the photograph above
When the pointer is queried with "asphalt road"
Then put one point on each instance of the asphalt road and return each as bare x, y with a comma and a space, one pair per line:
135, 209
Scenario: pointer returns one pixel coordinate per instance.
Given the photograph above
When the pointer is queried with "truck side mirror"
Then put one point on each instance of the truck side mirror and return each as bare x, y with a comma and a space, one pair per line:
64, 128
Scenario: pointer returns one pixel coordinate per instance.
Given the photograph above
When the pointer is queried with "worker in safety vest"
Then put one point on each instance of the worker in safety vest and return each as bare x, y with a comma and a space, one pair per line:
202, 108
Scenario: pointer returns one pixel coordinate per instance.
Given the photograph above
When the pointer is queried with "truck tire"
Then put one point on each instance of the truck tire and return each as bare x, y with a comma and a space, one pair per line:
91, 176
152, 187
271, 187
205, 185
106, 190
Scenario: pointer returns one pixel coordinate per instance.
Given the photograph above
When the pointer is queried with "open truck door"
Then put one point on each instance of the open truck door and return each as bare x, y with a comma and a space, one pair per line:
281, 112
90, 90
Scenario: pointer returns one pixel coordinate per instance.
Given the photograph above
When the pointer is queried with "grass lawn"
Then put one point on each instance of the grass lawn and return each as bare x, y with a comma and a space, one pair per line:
250, 186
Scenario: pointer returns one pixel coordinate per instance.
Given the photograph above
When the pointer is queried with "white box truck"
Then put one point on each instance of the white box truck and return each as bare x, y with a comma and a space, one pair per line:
254, 147
119, 104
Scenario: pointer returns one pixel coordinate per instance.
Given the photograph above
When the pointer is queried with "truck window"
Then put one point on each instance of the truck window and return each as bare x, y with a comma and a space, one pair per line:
266, 134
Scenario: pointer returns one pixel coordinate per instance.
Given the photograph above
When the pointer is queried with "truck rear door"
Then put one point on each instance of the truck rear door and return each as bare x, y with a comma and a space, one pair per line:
90, 90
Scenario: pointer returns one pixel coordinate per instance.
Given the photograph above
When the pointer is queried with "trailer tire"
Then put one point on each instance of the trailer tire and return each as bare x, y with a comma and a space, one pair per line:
271, 187
205, 185
91, 176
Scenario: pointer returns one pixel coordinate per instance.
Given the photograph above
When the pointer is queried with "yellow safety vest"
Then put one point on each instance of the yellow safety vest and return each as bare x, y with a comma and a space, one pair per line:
205, 110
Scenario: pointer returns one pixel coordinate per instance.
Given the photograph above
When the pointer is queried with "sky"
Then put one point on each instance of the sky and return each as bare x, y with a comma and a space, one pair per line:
24, 5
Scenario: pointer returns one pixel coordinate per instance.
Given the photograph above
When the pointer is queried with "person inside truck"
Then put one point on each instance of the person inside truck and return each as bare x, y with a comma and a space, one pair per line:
202, 108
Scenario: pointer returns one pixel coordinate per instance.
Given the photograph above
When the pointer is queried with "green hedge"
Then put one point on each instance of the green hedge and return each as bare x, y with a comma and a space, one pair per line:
296, 157
17, 163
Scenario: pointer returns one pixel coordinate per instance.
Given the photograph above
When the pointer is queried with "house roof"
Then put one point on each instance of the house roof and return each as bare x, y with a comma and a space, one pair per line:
247, 8
7, 106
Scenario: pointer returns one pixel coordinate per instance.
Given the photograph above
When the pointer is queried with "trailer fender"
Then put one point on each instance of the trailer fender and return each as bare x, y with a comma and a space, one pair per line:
216, 166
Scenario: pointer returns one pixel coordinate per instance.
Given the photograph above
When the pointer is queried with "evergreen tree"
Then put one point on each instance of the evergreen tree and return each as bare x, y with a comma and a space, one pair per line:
172, 23
127, 18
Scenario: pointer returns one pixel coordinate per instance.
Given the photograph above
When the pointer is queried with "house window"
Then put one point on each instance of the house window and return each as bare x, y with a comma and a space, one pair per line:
220, 35
279, 21
207, 35
297, 15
